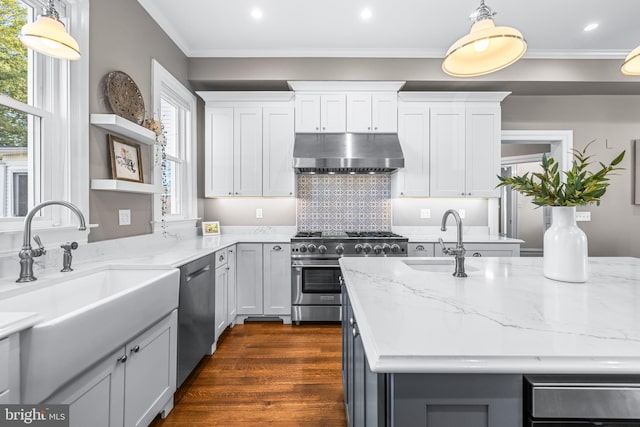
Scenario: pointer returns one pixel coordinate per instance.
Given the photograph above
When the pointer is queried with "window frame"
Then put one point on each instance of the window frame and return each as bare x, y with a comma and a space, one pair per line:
62, 103
165, 83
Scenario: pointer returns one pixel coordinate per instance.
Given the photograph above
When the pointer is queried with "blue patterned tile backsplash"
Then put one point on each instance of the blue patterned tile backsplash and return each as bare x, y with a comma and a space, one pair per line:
344, 203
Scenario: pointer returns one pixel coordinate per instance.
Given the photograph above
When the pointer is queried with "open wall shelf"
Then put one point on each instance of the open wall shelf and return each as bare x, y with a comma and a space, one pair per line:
125, 186
124, 127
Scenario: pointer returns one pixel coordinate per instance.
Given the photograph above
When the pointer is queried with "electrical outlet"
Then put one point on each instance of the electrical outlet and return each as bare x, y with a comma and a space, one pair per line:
425, 213
583, 216
259, 213
462, 213
124, 216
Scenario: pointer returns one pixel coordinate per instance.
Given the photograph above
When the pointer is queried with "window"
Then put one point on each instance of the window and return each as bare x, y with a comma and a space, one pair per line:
175, 106
43, 121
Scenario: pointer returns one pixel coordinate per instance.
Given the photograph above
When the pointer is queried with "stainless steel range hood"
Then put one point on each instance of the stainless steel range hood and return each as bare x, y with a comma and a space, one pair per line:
347, 153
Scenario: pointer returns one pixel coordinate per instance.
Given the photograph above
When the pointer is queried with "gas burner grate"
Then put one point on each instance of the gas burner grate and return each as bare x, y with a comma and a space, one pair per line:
309, 234
371, 234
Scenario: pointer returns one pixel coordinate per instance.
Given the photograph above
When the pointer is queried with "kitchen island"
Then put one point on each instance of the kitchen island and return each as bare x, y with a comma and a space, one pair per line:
438, 350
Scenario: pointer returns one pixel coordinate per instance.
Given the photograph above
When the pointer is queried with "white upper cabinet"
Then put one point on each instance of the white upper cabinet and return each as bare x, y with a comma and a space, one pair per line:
372, 113
447, 155
278, 178
249, 144
247, 151
451, 144
320, 113
218, 151
413, 132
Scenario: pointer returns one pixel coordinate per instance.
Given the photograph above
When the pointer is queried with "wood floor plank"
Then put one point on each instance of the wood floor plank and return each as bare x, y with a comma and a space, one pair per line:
265, 374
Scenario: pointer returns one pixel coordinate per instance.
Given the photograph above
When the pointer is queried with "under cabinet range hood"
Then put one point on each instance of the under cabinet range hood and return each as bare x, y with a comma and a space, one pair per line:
347, 153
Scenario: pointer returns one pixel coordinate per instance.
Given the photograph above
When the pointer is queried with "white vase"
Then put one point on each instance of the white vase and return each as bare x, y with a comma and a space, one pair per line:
565, 247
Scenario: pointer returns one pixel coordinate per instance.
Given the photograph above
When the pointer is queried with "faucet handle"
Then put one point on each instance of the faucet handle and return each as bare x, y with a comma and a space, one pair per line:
445, 250
69, 246
41, 250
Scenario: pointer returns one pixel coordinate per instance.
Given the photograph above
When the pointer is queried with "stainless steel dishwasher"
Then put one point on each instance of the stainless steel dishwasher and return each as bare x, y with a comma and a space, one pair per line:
581, 400
196, 317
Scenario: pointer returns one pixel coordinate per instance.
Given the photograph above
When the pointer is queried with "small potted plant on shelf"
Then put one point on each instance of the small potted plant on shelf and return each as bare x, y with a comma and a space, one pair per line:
565, 244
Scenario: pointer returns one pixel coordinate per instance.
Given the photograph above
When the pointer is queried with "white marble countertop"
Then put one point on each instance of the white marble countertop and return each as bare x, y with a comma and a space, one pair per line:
506, 317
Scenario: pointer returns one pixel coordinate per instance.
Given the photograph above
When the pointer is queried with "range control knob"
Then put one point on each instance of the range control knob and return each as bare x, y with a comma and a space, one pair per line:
377, 249
358, 248
386, 248
303, 248
322, 249
340, 249
311, 248
367, 248
395, 248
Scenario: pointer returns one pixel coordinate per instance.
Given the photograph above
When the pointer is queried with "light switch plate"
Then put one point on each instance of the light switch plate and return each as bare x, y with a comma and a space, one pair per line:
124, 216
259, 213
583, 216
425, 213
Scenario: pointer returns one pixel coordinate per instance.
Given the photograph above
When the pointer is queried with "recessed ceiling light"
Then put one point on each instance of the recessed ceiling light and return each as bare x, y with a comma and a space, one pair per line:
256, 14
366, 14
592, 26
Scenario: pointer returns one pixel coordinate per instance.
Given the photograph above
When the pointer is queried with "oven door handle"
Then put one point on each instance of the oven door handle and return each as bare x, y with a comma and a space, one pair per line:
300, 267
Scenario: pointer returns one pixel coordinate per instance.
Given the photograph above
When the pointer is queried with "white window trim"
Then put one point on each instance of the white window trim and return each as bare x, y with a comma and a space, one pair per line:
163, 80
71, 159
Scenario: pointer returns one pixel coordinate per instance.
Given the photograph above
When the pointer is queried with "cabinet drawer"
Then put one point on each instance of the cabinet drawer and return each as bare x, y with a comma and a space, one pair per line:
221, 258
420, 249
4, 364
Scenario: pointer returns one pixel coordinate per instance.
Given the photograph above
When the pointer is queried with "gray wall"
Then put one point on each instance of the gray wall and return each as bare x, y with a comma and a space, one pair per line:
613, 121
123, 37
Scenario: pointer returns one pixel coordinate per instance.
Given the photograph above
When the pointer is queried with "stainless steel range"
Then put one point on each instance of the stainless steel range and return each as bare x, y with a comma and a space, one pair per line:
316, 279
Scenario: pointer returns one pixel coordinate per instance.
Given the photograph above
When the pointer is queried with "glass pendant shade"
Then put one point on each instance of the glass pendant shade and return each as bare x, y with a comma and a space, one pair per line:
485, 49
48, 36
631, 65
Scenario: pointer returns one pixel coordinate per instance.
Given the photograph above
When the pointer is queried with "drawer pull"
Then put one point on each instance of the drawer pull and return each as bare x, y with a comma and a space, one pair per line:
419, 248
477, 254
277, 248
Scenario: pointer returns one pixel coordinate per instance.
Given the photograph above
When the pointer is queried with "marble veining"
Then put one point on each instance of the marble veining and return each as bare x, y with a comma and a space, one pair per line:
505, 317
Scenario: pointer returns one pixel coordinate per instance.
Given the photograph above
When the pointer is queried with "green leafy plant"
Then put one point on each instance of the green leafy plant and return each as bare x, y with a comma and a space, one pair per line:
580, 187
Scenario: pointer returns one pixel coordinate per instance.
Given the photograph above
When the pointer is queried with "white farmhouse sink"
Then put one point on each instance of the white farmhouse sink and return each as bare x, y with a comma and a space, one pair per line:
436, 265
85, 318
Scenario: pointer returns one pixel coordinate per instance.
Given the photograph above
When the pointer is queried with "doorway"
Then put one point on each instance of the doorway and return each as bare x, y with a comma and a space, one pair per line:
521, 152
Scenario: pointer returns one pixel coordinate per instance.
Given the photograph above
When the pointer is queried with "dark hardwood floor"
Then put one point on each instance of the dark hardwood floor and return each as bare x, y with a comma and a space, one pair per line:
265, 374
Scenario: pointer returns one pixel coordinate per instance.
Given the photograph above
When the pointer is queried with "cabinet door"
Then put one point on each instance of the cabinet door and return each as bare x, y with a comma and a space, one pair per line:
447, 153
413, 132
150, 372
307, 113
218, 148
221, 300
247, 152
97, 397
359, 113
384, 112
333, 113
278, 176
277, 278
482, 151
232, 310
249, 278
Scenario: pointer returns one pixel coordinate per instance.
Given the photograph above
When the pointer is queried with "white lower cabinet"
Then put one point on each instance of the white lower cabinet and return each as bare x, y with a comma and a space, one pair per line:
10, 369
221, 303
232, 308
264, 280
129, 387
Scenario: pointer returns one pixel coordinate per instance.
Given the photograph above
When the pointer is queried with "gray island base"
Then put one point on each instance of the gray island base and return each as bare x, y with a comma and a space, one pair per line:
503, 347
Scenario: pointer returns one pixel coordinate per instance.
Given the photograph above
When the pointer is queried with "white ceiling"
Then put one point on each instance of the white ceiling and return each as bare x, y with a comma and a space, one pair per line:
397, 28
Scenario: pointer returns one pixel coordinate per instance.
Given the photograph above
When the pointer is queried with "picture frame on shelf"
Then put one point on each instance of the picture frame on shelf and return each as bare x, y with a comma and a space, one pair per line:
210, 228
126, 159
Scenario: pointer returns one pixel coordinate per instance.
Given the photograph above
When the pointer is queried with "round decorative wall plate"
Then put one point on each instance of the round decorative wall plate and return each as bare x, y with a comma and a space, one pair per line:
124, 97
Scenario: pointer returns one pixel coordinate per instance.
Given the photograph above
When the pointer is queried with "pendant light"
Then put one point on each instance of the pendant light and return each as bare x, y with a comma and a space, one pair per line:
48, 36
485, 49
631, 65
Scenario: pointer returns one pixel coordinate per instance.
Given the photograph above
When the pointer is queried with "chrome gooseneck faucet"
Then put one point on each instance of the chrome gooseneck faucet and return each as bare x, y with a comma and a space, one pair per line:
459, 250
27, 253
